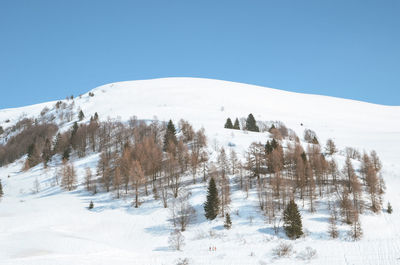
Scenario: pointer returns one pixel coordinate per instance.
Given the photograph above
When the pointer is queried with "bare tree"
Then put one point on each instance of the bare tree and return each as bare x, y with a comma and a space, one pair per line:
182, 212
333, 231
176, 240
137, 179
68, 180
330, 147
88, 179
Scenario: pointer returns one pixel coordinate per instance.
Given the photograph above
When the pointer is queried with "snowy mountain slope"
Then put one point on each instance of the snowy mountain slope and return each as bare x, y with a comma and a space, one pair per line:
54, 227
208, 103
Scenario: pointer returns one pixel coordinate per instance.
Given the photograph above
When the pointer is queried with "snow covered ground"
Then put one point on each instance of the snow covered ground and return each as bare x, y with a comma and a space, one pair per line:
55, 227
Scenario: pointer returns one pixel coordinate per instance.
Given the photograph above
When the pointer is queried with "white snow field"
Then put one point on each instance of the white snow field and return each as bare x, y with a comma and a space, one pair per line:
55, 227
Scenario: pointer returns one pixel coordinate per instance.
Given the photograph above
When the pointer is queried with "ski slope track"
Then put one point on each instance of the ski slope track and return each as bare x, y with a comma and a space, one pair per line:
55, 226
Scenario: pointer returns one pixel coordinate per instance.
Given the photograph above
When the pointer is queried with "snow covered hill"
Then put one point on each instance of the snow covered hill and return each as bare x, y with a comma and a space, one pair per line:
54, 227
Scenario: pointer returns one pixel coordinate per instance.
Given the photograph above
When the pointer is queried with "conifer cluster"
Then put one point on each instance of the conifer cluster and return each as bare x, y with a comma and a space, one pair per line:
211, 207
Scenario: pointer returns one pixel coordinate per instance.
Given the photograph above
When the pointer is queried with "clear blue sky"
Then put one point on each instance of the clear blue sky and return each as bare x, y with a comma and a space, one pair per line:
344, 48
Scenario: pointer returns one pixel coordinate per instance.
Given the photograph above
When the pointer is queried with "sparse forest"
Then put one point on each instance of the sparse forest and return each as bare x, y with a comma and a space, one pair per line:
141, 158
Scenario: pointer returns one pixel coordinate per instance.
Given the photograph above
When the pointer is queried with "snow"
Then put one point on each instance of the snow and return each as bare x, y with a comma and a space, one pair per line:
55, 226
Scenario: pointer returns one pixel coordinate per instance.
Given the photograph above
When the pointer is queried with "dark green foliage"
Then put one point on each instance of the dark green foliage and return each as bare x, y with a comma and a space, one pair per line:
46, 152
236, 125
389, 208
170, 135
74, 129
33, 156
228, 124
1, 130
91, 205
274, 144
271, 146
1, 189
96, 116
251, 124
304, 157
292, 221
81, 116
228, 222
268, 148
66, 153
211, 207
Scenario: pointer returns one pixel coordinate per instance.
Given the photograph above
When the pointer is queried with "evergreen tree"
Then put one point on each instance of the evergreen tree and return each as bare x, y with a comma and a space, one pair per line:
211, 207
271, 146
389, 208
81, 116
75, 128
251, 124
96, 116
228, 222
268, 148
236, 125
1, 189
66, 153
228, 124
56, 144
274, 144
33, 156
170, 135
91, 205
304, 157
292, 221
46, 153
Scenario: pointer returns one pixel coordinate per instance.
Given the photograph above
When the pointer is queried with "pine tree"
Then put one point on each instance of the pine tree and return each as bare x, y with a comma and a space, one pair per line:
228, 222
268, 148
251, 124
91, 205
1, 189
170, 135
81, 116
33, 156
292, 221
211, 207
96, 117
74, 129
46, 153
66, 153
236, 125
389, 208
228, 124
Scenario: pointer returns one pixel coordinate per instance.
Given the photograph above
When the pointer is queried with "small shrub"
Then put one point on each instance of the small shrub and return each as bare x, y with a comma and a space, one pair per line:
307, 254
283, 250
389, 208
184, 261
228, 222
91, 205
176, 240
310, 136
